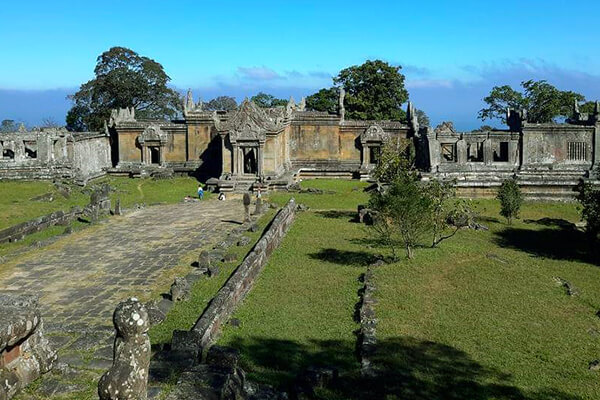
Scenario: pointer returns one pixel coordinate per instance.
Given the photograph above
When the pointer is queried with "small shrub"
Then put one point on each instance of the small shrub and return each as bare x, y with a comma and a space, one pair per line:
511, 198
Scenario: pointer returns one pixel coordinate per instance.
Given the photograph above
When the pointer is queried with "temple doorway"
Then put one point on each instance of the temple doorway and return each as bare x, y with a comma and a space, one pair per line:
250, 160
154, 155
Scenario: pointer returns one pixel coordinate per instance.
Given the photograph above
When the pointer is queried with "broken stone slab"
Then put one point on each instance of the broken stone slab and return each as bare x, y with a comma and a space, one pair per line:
213, 271
244, 241
180, 289
155, 314
229, 257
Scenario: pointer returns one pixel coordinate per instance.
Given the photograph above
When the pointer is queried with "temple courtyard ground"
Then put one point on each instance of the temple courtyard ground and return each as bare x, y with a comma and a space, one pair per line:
484, 316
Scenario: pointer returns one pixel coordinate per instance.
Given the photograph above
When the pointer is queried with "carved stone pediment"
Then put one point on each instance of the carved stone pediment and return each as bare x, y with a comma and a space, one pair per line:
374, 133
249, 122
154, 134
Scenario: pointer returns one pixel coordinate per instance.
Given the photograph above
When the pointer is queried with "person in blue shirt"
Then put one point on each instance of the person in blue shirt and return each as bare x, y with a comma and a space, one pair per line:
200, 192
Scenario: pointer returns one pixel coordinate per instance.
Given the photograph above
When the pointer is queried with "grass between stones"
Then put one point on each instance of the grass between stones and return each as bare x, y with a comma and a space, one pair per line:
480, 317
183, 315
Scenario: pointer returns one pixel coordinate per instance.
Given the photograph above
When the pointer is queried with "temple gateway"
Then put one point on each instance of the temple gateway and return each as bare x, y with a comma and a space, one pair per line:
271, 148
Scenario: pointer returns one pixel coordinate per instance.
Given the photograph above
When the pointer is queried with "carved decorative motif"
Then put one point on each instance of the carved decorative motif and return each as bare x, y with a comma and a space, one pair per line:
249, 122
374, 133
152, 133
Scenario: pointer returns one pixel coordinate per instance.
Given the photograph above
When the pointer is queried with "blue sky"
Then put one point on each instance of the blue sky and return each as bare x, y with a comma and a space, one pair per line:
452, 52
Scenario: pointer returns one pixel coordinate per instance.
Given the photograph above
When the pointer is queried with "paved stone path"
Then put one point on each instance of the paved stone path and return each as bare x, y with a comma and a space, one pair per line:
82, 277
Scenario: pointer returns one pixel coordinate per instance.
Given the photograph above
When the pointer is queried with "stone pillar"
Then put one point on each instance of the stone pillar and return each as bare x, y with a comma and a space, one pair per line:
260, 159
234, 163
488, 153
596, 147
366, 155
513, 152
128, 376
461, 151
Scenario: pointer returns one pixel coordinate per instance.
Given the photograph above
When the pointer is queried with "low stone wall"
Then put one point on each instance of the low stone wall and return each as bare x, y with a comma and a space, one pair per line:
18, 232
368, 324
207, 329
25, 353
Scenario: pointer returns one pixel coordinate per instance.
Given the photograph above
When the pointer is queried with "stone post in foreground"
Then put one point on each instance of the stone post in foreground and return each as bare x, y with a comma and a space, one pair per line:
128, 376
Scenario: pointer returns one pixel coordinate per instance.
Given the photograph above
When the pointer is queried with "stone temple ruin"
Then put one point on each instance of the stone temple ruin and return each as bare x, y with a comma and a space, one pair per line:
270, 148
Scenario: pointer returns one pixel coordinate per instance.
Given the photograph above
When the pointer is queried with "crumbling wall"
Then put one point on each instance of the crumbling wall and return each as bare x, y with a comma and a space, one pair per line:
91, 156
18, 232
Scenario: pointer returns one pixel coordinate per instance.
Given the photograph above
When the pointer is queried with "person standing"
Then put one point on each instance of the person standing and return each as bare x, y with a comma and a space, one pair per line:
200, 192
247, 201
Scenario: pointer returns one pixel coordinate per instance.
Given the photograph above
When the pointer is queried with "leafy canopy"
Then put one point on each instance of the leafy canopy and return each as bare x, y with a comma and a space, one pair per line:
544, 102
265, 100
324, 100
374, 91
221, 103
8, 125
123, 79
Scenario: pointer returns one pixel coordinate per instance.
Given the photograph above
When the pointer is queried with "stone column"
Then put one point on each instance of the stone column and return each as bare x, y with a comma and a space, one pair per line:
366, 155
461, 151
596, 146
234, 163
513, 148
260, 159
488, 153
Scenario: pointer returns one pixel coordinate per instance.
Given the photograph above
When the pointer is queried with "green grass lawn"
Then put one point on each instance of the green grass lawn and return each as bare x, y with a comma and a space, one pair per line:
300, 311
481, 317
17, 204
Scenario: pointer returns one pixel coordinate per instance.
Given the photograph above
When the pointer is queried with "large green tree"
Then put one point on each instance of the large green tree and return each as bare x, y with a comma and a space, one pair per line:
324, 100
8, 125
374, 90
266, 100
221, 103
123, 79
544, 102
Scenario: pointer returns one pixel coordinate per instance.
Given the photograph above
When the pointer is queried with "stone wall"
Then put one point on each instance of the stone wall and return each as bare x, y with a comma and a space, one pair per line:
91, 156
18, 232
208, 327
25, 353
54, 154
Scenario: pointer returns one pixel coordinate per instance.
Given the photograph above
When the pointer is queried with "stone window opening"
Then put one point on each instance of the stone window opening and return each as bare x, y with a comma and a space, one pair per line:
154, 155
475, 152
501, 152
8, 153
30, 153
374, 154
577, 151
448, 152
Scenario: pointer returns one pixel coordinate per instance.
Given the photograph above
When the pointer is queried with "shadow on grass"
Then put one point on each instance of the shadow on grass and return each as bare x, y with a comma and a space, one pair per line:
405, 368
351, 216
344, 257
563, 244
